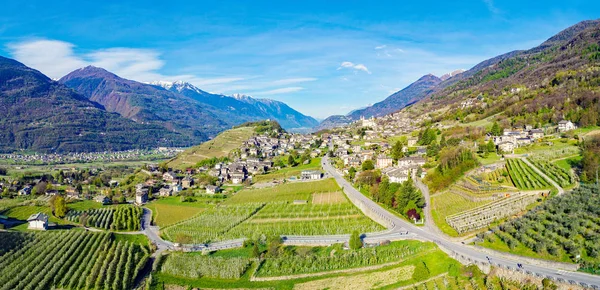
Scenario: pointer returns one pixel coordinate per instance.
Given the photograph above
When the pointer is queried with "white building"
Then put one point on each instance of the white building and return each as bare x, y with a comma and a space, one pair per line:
38, 221
565, 125
311, 174
384, 161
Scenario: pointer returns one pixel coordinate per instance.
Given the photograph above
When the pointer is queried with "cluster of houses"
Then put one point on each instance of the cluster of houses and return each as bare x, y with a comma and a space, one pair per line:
514, 138
405, 168
388, 126
55, 158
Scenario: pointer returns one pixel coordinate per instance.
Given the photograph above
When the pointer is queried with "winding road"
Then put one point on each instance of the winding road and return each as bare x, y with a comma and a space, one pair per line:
397, 229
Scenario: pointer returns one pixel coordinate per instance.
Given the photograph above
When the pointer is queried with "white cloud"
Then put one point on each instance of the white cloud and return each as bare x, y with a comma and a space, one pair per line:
278, 91
57, 58
359, 66
290, 81
491, 7
381, 46
52, 57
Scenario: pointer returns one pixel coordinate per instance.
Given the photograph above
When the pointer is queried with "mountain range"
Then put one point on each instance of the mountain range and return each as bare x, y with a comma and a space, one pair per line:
572, 50
92, 109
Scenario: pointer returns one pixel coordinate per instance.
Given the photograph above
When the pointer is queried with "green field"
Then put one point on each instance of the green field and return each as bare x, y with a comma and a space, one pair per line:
253, 213
568, 163
447, 203
287, 172
524, 177
220, 146
169, 210
350, 266
563, 177
79, 260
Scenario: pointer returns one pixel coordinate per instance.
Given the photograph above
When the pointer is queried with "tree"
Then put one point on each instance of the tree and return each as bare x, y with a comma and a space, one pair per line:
368, 165
274, 247
60, 206
421, 272
255, 251
547, 284
397, 151
496, 130
291, 161
352, 172
355, 242
491, 147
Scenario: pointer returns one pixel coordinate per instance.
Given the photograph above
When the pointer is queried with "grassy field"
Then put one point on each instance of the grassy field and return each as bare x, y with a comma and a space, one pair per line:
220, 146
490, 159
286, 192
23, 212
84, 205
448, 203
315, 164
380, 275
170, 210
568, 163
253, 213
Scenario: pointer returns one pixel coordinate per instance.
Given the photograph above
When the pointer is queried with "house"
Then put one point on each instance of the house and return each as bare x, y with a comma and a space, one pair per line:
38, 221
103, 199
169, 176
51, 192
397, 176
311, 174
237, 178
25, 190
72, 193
407, 161
565, 125
165, 191
506, 147
384, 161
412, 142
536, 133
141, 197
211, 189
187, 182
176, 187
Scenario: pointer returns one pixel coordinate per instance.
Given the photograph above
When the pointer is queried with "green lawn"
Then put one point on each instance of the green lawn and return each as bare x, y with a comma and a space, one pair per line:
135, 239
23, 212
84, 205
315, 164
568, 163
285, 192
492, 158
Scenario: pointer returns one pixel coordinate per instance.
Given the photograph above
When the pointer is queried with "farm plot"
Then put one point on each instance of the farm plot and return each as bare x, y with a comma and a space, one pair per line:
561, 176
304, 219
69, 260
123, 218
211, 224
328, 198
564, 228
483, 216
285, 192
334, 258
448, 203
524, 177
196, 266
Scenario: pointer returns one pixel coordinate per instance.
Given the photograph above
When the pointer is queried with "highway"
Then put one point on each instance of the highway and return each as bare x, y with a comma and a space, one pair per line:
459, 250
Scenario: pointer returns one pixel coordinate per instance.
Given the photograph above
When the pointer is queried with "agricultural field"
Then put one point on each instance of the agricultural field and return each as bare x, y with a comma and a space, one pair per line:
303, 260
563, 228
499, 177
197, 266
170, 210
337, 268
524, 177
287, 209
287, 172
120, 218
563, 177
211, 224
550, 150
68, 260
220, 146
448, 203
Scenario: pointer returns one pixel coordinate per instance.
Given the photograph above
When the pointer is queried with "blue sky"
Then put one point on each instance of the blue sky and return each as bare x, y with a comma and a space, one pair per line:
320, 57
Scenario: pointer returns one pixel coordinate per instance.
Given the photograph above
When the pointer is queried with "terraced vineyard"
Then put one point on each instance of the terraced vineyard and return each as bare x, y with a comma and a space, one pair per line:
524, 177
561, 176
112, 218
68, 260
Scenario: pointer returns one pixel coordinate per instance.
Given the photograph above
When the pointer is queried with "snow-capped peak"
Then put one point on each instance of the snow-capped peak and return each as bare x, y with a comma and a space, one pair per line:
451, 74
179, 86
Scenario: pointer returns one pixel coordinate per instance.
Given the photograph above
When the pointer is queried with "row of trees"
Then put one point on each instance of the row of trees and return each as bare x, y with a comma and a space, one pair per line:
453, 163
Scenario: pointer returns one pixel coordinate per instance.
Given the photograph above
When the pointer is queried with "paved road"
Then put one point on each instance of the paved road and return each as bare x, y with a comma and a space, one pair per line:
152, 233
458, 250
